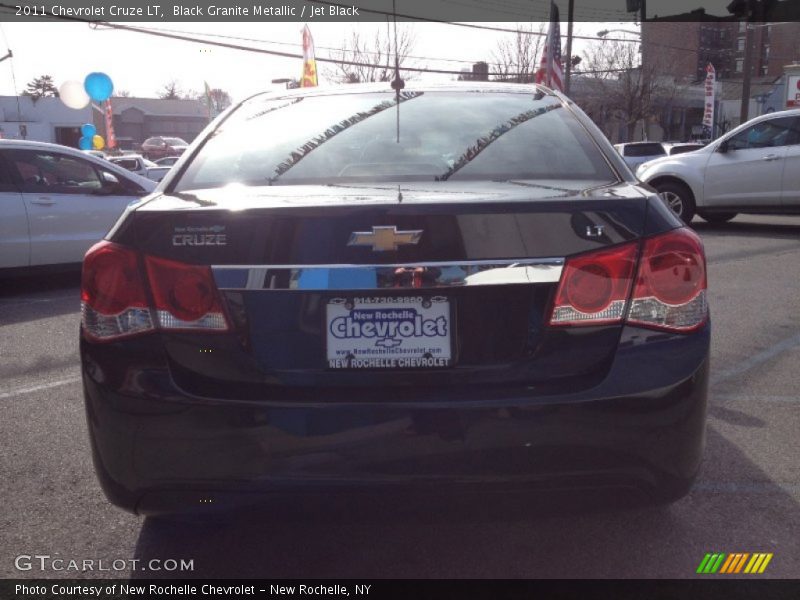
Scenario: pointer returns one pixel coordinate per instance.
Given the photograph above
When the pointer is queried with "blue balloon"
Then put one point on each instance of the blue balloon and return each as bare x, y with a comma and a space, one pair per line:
88, 130
85, 143
98, 86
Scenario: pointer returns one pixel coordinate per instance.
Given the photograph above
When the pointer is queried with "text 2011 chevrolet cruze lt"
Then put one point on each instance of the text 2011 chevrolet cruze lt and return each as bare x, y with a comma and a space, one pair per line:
357, 287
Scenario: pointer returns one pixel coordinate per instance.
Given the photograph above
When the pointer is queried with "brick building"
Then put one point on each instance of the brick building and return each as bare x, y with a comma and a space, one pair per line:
682, 49
136, 119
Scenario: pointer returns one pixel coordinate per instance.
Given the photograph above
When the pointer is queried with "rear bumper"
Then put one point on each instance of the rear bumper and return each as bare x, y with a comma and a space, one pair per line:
157, 449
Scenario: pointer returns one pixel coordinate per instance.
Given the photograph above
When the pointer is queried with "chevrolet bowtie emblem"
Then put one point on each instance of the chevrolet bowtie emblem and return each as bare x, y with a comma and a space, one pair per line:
383, 239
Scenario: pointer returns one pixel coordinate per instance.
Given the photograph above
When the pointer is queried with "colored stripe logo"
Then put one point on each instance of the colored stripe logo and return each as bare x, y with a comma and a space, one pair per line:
738, 562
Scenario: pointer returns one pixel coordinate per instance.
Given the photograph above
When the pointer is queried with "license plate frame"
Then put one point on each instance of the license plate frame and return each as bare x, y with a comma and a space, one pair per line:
389, 333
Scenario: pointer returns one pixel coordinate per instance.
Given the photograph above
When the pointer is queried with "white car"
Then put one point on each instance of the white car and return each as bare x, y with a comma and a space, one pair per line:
56, 202
636, 153
138, 164
753, 169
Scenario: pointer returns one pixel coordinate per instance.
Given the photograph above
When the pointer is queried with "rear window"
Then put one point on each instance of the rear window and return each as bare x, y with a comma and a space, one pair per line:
636, 150
353, 138
175, 141
684, 149
127, 163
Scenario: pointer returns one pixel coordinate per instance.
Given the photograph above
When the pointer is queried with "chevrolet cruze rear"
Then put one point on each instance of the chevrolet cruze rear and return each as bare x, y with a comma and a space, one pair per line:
483, 297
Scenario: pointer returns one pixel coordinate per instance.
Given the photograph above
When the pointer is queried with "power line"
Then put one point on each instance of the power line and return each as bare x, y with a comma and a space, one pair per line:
417, 57
342, 61
456, 24
296, 44
166, 33
438, 21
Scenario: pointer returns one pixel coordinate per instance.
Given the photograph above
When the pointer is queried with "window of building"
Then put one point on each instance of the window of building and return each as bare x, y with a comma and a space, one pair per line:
739, 65
742, 26
740, 45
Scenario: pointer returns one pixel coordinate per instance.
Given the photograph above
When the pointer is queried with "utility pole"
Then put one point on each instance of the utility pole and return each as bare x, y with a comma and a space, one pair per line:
755, 14
568, 71
747, 67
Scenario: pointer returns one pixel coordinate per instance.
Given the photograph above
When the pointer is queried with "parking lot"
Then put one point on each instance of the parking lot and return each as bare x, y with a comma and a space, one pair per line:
747, 498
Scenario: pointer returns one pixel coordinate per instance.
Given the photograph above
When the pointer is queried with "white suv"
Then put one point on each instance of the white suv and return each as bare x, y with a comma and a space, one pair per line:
753, 169
55, 202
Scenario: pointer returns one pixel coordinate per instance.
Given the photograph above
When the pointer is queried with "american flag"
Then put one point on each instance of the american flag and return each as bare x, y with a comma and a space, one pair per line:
550, 72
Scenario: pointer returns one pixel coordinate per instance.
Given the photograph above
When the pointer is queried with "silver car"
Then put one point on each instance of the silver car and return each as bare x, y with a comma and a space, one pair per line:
636, 153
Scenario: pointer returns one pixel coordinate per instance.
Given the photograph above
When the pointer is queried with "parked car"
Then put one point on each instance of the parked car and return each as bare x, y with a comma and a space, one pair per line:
141, 166
167, 161
97, 153
160, 147
55, 202
683, 148
302, 307
635, 153
753, 169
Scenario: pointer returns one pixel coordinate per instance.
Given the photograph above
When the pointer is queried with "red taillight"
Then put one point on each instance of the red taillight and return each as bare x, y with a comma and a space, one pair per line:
113, 299
594, 288
185, 296
114, 302
669, 291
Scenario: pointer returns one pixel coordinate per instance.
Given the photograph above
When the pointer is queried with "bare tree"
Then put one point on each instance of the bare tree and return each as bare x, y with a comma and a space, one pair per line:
621, 89
41, 87
516, 57
121, 94
171, 90
374, 57
217, 100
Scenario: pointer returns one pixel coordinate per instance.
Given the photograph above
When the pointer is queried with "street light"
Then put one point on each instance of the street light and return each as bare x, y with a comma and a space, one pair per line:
605, 32
287, 80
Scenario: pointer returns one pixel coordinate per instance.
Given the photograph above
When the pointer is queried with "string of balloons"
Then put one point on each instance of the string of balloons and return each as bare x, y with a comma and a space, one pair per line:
96, 87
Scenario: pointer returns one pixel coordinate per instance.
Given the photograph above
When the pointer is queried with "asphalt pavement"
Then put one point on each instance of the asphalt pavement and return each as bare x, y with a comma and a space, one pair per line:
747, 498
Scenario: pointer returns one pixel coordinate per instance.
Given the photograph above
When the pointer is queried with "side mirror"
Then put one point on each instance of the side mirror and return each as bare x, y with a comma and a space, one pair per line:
111, 185
723, 147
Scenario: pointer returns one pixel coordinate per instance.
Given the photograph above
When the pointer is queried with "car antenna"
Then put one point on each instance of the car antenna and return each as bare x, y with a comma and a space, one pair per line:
398, 84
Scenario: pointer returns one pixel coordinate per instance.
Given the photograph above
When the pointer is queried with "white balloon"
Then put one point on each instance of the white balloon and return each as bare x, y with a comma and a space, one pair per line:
73, 95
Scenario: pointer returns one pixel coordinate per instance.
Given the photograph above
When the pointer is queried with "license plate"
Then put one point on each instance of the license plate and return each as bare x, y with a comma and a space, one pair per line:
388, 333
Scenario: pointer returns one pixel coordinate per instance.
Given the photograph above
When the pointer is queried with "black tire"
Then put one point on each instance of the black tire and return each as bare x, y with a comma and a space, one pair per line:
720, 217
678, 198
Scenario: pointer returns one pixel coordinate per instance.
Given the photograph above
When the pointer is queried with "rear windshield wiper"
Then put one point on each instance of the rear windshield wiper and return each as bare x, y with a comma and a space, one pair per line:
485, 141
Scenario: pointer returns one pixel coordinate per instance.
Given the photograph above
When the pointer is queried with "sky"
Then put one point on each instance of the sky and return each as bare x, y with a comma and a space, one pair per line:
142, 64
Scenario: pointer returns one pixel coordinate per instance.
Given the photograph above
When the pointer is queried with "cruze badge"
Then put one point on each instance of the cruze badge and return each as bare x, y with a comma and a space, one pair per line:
384, 238
200, 236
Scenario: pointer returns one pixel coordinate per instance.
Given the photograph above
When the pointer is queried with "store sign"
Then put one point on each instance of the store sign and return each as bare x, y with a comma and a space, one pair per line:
793, 91
708, 111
